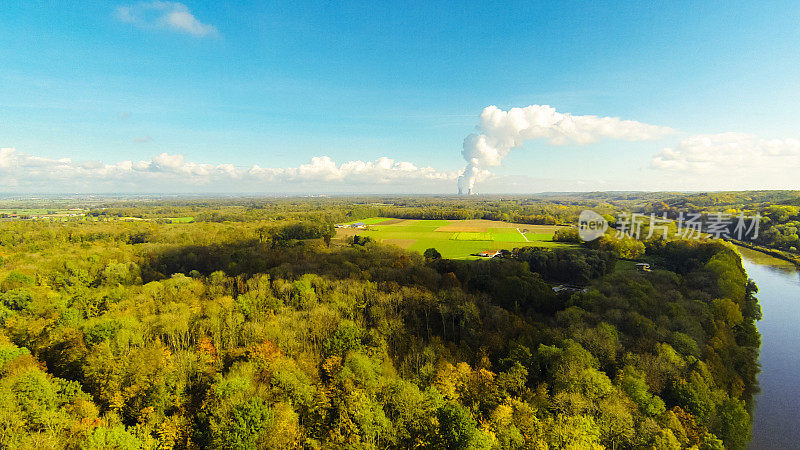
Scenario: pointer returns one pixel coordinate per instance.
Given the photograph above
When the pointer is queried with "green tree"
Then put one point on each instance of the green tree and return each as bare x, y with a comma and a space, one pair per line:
432, 254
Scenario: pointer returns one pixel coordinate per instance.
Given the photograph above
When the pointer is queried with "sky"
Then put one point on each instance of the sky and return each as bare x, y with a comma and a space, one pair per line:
398, 97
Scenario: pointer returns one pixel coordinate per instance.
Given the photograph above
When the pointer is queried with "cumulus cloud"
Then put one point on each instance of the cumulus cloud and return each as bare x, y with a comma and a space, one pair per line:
730, 161
382, 170
172, 16
707, 153
500, 131
173, 172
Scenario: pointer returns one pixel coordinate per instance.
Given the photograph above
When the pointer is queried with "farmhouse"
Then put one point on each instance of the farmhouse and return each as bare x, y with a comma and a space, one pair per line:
569, 289
489, 253
359, 225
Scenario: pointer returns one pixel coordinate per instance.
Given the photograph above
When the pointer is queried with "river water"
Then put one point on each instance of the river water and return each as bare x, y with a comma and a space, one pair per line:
776, 418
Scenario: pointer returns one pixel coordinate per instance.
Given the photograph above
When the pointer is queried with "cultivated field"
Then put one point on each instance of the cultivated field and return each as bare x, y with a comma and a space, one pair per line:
455, 239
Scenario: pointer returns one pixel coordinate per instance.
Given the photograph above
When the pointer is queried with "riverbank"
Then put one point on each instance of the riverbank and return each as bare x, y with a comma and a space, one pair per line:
777, 405
775, 253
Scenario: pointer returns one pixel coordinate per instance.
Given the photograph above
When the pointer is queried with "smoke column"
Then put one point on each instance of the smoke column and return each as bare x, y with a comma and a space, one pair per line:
499, 131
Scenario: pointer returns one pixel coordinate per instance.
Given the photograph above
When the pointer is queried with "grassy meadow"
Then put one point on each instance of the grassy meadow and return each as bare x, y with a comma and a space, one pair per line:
454, 239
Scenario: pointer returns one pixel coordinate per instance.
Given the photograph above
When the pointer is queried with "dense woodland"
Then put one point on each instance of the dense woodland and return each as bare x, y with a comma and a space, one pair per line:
251, 328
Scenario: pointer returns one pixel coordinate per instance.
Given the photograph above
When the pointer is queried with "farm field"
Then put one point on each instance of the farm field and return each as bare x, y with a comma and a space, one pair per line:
454, 239
187, 219
370, 221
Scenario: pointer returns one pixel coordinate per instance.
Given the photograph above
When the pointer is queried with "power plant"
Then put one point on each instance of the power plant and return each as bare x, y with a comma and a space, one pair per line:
461, 187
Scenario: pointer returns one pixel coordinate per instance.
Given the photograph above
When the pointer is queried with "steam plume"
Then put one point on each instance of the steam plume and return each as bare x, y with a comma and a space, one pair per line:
500, 131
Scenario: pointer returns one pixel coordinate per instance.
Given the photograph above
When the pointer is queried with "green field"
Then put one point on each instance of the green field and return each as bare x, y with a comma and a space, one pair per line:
181, 219
454, 239
471, 236
370, 221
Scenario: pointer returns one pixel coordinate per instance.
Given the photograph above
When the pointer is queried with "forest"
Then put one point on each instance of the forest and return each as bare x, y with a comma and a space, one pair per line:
779, 213
250, 327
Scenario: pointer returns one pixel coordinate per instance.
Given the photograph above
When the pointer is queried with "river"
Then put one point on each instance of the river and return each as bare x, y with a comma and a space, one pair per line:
776, 418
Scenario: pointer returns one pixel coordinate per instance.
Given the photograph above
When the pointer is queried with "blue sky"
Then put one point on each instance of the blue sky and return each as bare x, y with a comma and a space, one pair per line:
225, 86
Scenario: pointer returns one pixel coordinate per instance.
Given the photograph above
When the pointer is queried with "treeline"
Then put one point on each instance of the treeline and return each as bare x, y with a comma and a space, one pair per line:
537, 211
523, 209
568, 266
779, 210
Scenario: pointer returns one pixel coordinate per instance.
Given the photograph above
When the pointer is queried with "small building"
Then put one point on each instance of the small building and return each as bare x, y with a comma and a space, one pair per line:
643, 267
489, 253
568, 288
360, 225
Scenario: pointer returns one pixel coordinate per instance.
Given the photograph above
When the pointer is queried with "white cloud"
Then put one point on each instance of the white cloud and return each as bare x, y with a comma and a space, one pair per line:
730, 161
708, 153
172, 16
383, 170
173, 173
500, 131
